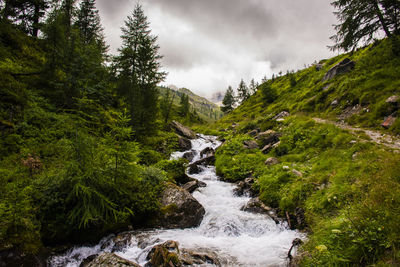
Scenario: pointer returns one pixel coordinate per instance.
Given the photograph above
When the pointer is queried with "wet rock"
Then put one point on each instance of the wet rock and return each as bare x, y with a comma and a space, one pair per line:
183, 130
266, 149
169, 254
300, 218
207, 152
204, 161
194, 169
184, 143
189, 155
121, 241
255, 205
110, 259
245, 188
344, 66
250, 144
388, 122
179, 209
193, 185
88, 260
281, 115
394, 99
165, 255
295, 243
271, 161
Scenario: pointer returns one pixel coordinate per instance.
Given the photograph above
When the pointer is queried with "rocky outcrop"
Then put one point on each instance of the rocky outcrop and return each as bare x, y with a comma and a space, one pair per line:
108, 259
344, 66
11, 257
184, 144
254, 132
179, 209
183, 130
245, 188
268, 139
169, 254
207, 152
389, 121
297, 219
193, 185
189, 155
250, 144
394, 99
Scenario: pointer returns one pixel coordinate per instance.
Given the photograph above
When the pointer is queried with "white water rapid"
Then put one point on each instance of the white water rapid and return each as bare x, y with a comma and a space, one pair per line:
239, 238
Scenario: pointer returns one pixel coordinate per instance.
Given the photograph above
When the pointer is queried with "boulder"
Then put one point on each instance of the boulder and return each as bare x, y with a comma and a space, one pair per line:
204, 161
108, 259
169, 254
184, 143
193, 185
250, 144
245, 188
271, 161
165, 255
179, 209
189, 155
13, 257
194, 169
388, 122
394, 99
208, 151
334, 103
297, 173
255, 205
344, 66
254, 132
266, 149
281, 115
269, 137
183, 130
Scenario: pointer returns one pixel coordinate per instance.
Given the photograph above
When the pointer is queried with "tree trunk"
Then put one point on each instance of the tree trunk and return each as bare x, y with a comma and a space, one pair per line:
36, 16
381, 18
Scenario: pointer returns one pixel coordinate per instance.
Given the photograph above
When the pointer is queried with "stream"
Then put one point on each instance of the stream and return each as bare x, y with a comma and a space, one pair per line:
239, 238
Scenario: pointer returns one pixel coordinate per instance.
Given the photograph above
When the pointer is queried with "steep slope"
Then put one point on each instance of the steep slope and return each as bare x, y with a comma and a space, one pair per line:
307, 143
206, 110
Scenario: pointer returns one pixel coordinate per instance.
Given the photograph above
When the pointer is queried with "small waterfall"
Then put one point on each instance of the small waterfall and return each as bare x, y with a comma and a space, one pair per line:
240, 238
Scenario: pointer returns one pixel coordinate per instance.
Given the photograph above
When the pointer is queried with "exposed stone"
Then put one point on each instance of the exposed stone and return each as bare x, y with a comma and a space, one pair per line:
334, 103
165, 255
194, 167
297, 173
184, 143
193, 185
327, 87
300, 218
208, 151
250, 144
394, 99
183, 130
319, 67
269, 137
281, 115
12, 257
189, 155
271, 161
179, 209
255, 205
245, 188
199, 258
389, 121
110, 259
266, 149
254, 132
344, 66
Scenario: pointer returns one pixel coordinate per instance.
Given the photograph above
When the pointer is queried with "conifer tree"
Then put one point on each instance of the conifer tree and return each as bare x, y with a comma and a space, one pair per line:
184, 107
228, 101
138, 71
243, 91
363, 20
253, 87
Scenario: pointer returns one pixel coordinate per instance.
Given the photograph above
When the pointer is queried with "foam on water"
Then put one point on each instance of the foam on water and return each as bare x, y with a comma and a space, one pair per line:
239, 237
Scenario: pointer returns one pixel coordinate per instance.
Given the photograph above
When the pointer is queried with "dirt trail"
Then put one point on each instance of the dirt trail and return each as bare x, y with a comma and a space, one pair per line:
376, 137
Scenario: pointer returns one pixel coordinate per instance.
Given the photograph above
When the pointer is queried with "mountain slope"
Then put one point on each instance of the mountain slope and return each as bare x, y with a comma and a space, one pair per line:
334, 181
206, 110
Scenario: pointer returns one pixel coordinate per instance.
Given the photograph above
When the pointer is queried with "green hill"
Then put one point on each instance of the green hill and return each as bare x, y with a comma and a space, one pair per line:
335, 171
206, 110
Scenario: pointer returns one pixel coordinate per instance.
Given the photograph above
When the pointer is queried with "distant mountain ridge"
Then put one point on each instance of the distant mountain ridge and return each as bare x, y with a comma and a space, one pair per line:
206, 109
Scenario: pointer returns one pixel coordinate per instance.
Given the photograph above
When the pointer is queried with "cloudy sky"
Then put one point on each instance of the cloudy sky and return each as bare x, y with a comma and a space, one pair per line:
210, 44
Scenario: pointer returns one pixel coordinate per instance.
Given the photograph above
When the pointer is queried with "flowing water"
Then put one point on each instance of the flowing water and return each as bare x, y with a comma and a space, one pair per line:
239, 238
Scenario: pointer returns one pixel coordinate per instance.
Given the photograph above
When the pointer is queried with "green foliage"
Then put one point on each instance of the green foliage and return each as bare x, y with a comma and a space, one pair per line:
228, 101
175, 169
269, 94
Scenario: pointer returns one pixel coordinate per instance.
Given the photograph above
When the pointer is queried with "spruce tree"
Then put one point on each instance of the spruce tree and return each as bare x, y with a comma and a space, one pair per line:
184, 107
243, 91
138, 70
253, 87
229, 101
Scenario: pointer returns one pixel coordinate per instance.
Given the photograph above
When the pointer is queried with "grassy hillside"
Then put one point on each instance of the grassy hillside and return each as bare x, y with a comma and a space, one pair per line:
346, 186
207, 111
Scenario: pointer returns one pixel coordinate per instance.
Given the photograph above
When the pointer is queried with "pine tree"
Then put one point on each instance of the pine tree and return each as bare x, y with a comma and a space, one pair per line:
228, 101
253, 87
184, 107
138, 71
243, 92
166, 105
363, 20
88, 22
